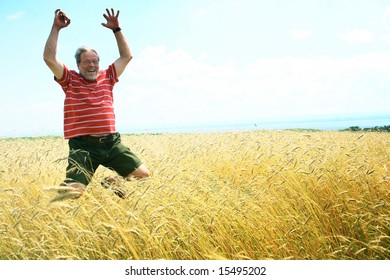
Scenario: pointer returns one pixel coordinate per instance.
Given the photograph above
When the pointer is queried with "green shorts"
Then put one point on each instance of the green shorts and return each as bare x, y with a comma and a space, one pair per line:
86, 153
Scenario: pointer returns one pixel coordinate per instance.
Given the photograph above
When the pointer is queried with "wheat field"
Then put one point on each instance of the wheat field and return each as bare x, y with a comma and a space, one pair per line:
233, 195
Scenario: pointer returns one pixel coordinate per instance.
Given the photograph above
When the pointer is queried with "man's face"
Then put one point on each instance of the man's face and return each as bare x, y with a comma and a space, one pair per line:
89, 65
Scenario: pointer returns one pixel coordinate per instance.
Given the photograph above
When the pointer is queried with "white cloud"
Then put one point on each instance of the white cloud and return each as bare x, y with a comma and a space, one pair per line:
386, 17
300, 34
174, 87
16, 15
386, 37
357, 36
201, 12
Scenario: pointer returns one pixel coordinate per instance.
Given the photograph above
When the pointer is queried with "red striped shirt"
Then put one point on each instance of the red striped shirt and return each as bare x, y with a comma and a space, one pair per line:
88, 106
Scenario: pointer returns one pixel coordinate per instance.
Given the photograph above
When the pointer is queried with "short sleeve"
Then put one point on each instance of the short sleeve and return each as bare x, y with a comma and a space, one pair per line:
65, 80
112, 74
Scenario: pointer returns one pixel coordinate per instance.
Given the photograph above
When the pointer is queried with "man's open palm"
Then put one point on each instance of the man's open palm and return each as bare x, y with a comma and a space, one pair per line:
112, 19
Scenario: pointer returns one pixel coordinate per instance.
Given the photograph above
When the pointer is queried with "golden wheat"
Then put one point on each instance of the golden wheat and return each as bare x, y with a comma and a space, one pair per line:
242, 195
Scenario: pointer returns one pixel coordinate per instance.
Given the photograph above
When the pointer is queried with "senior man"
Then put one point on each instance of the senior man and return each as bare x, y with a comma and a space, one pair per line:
89, 118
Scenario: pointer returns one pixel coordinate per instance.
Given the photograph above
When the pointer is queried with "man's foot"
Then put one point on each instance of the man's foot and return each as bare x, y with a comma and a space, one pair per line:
72, 187
67, 191
115, 185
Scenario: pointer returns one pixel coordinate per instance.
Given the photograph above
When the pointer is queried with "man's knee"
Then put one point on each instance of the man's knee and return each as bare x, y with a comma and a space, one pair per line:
141, 172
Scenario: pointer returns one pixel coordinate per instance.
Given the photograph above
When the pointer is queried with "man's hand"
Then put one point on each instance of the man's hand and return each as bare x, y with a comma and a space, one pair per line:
124, 50
61, 20
112, 19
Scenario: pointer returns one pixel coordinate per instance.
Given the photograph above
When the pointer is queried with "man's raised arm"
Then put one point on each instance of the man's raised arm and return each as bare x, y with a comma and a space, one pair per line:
50, 53
124, 51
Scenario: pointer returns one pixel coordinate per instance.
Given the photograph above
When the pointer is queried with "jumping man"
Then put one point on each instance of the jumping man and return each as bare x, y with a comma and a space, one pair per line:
89, 119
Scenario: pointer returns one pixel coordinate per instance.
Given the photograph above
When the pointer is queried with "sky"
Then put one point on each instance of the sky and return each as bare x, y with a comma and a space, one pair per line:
202, 62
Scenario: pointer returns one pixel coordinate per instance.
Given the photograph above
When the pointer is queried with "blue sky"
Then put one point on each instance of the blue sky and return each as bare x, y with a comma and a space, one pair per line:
200, 62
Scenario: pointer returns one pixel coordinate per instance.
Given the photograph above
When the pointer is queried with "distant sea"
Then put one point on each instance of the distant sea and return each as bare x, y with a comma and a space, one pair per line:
319, 123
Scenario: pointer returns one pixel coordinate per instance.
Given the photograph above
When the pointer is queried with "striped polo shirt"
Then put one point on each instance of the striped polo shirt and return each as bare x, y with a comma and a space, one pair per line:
88, 106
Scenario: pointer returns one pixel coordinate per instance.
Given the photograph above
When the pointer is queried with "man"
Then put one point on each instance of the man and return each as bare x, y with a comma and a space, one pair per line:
89, 119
